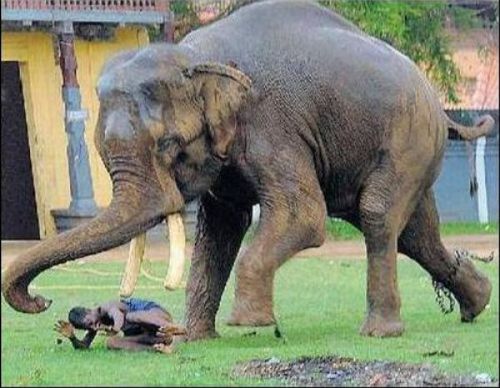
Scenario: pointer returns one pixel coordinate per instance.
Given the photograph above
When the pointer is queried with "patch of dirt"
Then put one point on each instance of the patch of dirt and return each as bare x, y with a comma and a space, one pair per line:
333, 371
157, 248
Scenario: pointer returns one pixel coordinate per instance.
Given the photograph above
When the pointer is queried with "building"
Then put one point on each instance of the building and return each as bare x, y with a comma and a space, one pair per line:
46, 184
44, 125
476, 54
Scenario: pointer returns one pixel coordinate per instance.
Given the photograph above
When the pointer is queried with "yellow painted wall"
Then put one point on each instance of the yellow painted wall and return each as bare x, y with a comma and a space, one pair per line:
41, 79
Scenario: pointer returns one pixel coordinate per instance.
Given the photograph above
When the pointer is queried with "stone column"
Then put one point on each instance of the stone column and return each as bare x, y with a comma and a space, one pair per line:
82, 205
168, 27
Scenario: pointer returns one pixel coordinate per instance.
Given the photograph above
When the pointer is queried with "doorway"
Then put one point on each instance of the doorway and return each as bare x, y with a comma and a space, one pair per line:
19, 213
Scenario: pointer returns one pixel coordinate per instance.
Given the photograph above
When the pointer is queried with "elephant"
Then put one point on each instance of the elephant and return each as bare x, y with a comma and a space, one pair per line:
287, 105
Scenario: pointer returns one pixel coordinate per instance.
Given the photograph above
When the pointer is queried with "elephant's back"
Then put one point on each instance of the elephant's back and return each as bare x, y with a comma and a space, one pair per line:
298, 46
320, 73
258, 36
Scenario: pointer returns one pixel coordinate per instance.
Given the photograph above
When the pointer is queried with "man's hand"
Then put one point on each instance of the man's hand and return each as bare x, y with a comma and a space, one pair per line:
64, 328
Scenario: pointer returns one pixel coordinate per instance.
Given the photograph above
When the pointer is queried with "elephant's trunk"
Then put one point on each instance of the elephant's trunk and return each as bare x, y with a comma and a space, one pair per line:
129, 214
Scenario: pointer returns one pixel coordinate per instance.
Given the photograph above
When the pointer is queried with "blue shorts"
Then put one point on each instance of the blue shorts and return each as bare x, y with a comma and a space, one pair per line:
135, 304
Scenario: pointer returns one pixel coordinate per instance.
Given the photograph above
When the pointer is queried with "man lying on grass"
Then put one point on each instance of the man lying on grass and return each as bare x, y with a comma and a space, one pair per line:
145, 326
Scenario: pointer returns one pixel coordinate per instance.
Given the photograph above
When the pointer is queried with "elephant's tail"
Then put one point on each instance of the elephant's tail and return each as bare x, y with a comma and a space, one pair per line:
484, 126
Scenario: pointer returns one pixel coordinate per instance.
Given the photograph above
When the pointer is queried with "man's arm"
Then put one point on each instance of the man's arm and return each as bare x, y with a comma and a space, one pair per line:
118, 318
67, 330
85, 342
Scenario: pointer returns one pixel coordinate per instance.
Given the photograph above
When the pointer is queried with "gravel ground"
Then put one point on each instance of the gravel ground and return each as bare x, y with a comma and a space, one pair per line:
336, 371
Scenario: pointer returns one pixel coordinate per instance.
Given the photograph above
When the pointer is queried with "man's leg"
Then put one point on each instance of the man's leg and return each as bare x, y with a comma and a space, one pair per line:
134, 343
155, 317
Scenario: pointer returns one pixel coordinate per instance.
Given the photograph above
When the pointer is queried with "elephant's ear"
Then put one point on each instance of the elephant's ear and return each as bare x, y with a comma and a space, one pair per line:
223, 89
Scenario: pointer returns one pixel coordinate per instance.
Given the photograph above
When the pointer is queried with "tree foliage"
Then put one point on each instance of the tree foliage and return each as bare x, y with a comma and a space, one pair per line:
414, 27
417, 29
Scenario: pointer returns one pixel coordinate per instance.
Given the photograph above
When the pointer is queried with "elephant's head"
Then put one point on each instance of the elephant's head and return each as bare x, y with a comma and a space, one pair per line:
165, 128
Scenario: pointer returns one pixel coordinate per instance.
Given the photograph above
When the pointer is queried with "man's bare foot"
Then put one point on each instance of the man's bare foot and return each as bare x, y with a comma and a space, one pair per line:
163, 348
165, 338
169, 333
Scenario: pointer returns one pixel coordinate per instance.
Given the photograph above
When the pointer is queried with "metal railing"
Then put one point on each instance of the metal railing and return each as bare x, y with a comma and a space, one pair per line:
103, 11
88, 5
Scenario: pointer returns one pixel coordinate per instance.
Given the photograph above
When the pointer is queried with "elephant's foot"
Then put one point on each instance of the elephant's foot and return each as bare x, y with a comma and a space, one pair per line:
472, 308
471, 289
244, 315
253, 304
377, 326
200, 331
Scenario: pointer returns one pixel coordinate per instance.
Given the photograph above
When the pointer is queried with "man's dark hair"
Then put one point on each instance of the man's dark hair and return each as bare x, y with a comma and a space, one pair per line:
76, 317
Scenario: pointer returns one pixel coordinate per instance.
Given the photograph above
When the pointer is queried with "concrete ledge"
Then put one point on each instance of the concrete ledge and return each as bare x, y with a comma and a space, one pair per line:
66, 219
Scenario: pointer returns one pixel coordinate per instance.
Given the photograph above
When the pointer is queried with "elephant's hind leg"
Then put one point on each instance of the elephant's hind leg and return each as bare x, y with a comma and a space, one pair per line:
385, 204
420, 241
220, 230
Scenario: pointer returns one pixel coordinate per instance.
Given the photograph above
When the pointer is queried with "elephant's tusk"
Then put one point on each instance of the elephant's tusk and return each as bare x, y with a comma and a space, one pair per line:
177, 252
133, 266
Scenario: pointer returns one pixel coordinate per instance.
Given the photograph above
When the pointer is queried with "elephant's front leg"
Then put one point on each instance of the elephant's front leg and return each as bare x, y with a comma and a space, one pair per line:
289, 223
220, 230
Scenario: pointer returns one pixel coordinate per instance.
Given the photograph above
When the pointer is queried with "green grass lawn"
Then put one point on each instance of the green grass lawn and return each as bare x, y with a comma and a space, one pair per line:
340, 230
320, 304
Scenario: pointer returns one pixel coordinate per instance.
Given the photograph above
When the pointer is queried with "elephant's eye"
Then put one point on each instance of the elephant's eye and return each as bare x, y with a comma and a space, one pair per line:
182, 157
150, 110
152, 91
155, 111
148, 91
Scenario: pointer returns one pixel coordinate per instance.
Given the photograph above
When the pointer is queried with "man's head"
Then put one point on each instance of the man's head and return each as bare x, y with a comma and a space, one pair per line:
84, 318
